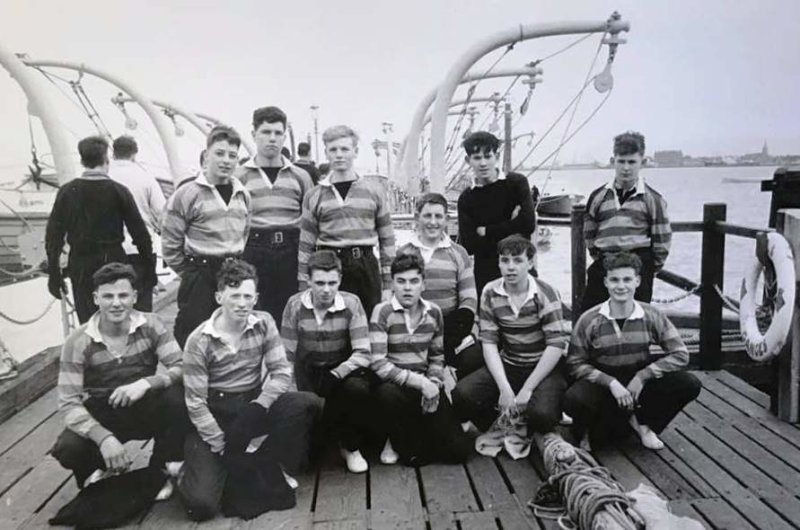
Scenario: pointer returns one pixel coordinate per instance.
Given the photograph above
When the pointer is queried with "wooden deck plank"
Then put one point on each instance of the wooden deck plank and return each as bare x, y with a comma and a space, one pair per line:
477, 521
787, 507
165, 515
341, 496
30, 493
22, 423
447, 489
525, 482
515, 520
747, 390
23, 457
493, 493
623, 470
684, 508
353, 524
720, 514
661, 474
395, 498
672, 455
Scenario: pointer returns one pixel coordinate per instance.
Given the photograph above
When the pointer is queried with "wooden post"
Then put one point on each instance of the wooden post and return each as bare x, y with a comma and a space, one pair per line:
578, 260
711, 274
788, 362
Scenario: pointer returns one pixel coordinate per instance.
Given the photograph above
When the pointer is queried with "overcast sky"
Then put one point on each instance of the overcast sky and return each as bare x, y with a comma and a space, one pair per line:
709, 77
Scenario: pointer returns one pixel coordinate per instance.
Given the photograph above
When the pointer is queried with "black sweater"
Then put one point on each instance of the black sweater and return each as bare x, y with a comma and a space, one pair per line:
491, 206
91, 213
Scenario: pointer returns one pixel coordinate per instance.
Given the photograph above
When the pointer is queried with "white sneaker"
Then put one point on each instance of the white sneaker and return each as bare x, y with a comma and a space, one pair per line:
388, 455
173, 469
290, 480
355, 461
566, 419
166, 490
97, 476
649, 439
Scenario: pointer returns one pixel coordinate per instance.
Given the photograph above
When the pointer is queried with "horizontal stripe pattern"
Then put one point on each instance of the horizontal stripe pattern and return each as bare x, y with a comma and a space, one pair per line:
599, 348
197, 222
402, 356
522, 338
341, 339
279, 205
88, 367
449, 278
640, 222
361, 219
209, 363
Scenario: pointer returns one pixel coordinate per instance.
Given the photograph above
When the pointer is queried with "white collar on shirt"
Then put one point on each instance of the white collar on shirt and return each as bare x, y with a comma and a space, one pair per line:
93, 326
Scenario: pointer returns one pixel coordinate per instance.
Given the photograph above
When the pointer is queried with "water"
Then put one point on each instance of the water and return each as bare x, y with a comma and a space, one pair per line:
686, 190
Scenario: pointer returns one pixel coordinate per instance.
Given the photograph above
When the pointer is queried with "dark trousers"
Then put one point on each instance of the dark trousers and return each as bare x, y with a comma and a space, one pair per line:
361, 275
593, 407
475, 398
160, 414
486, 270
274, 255
80, 270
144, 289
288, 425
420, 438
349, 411
596, 291
196, 299
469, 359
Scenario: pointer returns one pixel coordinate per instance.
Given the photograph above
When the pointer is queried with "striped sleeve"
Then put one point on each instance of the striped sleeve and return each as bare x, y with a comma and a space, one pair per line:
435, 370
668, 337
195, 382
309, 231
590, 224
386, 251
554, 326
489, 329
467, 293
275, 369
660, 231
379, 339
173, 233
168, 353
359, 341
578, 358
70, 391
289, 328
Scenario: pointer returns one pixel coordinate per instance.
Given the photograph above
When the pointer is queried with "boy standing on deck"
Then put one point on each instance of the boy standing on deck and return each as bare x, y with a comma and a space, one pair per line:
206, 221
277, 188
524, 336
415, 414
113, 359
625, 214
326, 336
494, 208
449, 281
619, 381
349, 214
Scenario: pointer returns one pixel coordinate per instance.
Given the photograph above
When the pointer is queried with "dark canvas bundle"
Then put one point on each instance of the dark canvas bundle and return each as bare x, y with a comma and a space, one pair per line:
113, 501
255, 485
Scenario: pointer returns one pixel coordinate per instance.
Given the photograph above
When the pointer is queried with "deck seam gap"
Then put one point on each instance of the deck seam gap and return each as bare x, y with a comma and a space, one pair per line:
15, 482
473, 488
27, 433
770, 505
736, 390
736, 479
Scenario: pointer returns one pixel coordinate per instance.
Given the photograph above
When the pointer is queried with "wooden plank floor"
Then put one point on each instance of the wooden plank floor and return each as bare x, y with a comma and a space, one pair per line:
728, 463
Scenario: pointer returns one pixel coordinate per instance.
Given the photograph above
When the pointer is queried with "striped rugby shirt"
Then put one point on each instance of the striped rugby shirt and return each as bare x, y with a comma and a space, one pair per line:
361, 219
278, 205
340, 338
404, 354
600, 348
89, 367
211, 363
449, 279
198, 222
640, 222
522, 334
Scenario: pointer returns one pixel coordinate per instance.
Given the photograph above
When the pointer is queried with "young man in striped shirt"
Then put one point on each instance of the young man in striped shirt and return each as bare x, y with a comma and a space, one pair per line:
237, 380
277, 188
626, 214
349, 214
524, 336
449, 282
414, 413
112, 359
326, 336
206, 221
620, 382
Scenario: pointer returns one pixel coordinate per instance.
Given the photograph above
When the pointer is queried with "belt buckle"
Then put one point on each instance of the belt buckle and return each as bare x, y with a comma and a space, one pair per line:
356, 252
277, 237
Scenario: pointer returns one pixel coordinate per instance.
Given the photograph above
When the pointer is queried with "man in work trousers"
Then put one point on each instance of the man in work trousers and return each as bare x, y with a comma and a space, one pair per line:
92, 211
619, 382
349, 214
277, 188
150, 201
326, 336
625, 214
207, 221
237, 383
112, 359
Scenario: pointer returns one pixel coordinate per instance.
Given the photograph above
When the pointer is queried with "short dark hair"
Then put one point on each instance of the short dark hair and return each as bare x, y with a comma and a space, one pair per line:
629, 143
269, 115
303, 149
431, 198
202, 157
111, 272
324, 260
221, 133
324, 168
285, 152
481, 142
515, 245
233, 272
93, 151
619, 260
124, 147
408, 262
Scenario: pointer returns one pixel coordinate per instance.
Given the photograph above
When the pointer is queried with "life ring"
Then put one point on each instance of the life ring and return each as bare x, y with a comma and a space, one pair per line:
764, 347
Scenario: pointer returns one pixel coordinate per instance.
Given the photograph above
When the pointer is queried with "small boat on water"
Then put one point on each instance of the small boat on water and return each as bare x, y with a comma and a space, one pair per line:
558, 205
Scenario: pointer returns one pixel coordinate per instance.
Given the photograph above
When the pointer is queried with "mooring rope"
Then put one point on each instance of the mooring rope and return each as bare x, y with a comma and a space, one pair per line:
31, 320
